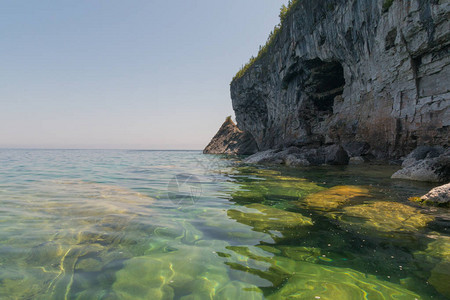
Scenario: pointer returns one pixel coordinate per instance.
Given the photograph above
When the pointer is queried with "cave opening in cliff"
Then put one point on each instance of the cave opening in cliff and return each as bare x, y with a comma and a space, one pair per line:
325, 82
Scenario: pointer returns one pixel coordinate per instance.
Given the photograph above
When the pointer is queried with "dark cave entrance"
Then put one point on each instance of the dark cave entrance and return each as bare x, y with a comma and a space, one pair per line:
324, 83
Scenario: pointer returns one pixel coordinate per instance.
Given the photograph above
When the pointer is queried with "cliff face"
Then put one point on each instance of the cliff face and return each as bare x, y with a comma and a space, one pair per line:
231, 140
346, 71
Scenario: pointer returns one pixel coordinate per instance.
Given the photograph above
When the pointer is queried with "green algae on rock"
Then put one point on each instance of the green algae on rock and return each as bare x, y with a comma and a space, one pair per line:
189, 270
312, 281
334, 197
271, 187
239, 290
308, 254
300, 279
437, 253
439, 278
439, 248
383, 217
265, 218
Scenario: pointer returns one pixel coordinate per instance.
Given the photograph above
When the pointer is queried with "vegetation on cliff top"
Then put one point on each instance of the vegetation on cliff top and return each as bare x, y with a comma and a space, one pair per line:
284, 12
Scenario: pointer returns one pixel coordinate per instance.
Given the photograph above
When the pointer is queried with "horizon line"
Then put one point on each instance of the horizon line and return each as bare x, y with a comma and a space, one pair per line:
112, 149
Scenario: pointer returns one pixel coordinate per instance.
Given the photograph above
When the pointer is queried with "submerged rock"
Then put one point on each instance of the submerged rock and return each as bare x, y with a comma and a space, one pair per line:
231, 140
189, 269
334, 197
266, 218
96, 228
312, 281
383, 217
439, 278
293, 278
308, 254
437, 253
426, 164
239, 290
270, 187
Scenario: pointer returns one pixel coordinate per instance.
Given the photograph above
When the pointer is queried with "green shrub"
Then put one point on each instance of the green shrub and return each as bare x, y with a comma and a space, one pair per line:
229, 120
284, 12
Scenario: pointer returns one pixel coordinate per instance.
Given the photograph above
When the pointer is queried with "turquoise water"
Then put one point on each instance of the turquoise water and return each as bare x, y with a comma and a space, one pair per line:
182, 225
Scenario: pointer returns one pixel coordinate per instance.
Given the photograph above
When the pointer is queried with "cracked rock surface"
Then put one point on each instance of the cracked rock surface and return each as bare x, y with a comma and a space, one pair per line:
346, 72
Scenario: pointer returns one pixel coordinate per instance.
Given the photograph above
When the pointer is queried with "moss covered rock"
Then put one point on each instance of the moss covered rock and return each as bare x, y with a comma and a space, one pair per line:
383, 217
334, 197
266, 218
270, 187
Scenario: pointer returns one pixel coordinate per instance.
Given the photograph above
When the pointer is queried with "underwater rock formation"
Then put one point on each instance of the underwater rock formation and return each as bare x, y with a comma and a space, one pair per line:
231, 140
266, 218
383, 218
358, 71
301, 279
437, 253
99, 230
186, 268
271, 188
334, 197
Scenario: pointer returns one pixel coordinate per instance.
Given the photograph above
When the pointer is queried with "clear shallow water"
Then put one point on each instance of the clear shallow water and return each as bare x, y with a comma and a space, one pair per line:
182, 225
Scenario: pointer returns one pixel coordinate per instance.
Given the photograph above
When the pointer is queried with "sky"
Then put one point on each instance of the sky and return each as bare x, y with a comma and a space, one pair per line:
135, 74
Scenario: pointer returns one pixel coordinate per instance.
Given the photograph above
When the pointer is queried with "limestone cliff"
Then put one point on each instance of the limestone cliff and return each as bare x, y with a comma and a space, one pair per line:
231, 140
352, 71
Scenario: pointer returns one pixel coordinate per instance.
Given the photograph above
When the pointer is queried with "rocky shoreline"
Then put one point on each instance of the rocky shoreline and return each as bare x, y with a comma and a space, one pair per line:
345, 72
349, 82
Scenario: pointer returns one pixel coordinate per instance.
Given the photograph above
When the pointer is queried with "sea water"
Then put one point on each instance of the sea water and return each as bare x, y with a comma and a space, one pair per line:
106, 224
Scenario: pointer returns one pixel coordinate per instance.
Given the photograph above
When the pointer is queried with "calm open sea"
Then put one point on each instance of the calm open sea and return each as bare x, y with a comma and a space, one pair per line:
88, 224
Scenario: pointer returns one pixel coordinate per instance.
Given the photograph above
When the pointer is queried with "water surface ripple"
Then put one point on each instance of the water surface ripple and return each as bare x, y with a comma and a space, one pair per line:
98, 224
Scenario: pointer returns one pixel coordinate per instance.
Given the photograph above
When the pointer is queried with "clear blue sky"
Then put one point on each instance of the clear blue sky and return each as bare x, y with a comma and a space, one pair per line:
141, 74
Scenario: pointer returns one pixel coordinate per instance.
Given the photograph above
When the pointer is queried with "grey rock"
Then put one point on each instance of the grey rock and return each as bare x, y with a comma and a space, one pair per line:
356, 148
353, 73
357, 160
295, 161
293, 156
231, 140
292, 150
336, 155
439, 195
434, 169
420, 153
261, 157
395, 162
